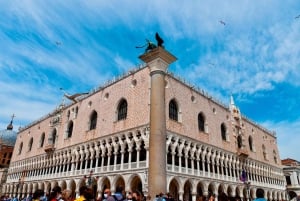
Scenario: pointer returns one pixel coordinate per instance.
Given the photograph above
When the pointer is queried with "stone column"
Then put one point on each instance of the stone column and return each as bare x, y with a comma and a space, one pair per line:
158, 61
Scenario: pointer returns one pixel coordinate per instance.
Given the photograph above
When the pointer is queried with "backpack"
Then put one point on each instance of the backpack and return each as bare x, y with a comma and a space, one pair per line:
119, 198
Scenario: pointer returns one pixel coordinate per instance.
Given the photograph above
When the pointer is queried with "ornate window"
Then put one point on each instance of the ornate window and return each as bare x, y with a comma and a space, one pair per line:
173, 110
70, 129
239, 141
275, 156
223, 132
30, 144
52, 137
122, 110
201, 122
42, 140
250, 140
93, 120
20, 148
264, 152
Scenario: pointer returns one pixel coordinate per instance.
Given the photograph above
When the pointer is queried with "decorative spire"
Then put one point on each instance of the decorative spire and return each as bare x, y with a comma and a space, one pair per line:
231, 100
10, 125
235, 112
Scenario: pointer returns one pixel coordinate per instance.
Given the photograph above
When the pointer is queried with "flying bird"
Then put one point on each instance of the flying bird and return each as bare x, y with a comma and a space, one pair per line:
72, 97
297, 17
58, 43
222, 22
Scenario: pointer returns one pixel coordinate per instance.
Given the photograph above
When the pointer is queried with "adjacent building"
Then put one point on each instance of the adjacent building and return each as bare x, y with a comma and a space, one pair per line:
7, 141
105, 139
291, 170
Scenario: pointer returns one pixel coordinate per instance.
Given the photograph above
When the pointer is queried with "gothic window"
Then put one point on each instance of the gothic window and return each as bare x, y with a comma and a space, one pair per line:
20, 148
169, 155
30, 144
122, 110
70, 129
173, 110
52, 138
264, 152
143, 152
223, 132
201, 122
239, 141
275, 156
250, 140
76, 111
42, 140
68, 114
93, 120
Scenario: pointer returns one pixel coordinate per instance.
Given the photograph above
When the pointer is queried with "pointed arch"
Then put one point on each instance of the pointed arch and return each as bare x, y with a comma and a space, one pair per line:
70, 129
20, 148
122, 109
42, 140
201, 122
239, 141
223, 132
250, 141
173, 110
93, 120
30, 144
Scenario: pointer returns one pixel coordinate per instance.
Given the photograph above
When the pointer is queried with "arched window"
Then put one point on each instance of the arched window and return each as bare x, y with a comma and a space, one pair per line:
76, 112
275, 156
239, 141
42, 140
122, 110
52, 137
20, 148
201, 122
223, 132
70, 129
30, 144
93, 120
264, 152
173, 110
250, 140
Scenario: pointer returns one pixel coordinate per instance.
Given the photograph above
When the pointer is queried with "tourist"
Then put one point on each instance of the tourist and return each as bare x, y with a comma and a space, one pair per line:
66, 195
137, 196
260, 195
38, 195
107, 195
55, 194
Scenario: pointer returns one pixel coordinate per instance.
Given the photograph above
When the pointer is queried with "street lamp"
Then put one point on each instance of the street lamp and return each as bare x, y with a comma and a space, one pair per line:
92, 182
19, 187
247, 184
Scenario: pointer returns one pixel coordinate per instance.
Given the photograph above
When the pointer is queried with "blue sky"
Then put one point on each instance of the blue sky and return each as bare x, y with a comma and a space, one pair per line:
79, 45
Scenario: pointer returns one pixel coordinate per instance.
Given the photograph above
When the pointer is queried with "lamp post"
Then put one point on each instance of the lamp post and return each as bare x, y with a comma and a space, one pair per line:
19, 188
247, 184
287, 193
92, 183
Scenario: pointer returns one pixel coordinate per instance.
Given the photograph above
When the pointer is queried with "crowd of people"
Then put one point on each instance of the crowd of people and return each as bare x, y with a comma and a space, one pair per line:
87, 194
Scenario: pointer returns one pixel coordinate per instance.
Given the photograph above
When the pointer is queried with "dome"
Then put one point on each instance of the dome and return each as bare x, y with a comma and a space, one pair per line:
8, 137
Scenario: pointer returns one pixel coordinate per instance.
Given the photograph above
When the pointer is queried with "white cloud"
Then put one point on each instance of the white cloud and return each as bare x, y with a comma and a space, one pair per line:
287, 137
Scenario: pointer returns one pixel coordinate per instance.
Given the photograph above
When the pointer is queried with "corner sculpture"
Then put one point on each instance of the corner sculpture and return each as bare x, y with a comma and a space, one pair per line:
150, 45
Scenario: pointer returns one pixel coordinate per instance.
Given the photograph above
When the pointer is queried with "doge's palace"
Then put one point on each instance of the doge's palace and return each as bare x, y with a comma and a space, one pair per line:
149, 131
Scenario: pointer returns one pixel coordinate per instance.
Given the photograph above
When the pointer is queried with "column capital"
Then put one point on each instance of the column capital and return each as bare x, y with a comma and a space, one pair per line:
158, 59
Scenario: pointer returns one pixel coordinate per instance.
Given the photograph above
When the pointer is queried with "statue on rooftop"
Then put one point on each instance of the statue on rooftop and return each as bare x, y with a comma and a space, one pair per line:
150, 45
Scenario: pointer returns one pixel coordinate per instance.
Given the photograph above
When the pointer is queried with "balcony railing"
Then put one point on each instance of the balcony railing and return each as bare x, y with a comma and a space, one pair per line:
49, 148
243, 153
